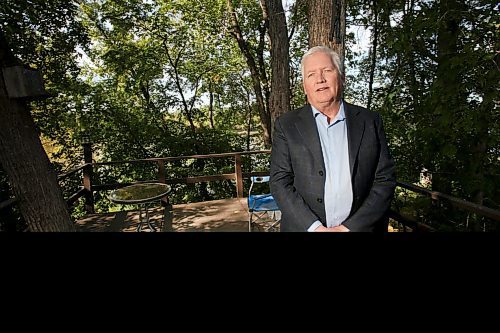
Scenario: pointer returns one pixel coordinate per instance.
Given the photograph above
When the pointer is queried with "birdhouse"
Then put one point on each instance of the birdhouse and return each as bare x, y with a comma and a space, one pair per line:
23, 82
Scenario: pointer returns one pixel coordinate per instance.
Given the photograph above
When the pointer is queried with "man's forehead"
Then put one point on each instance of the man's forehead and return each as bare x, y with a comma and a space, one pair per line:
313, 68
325, 60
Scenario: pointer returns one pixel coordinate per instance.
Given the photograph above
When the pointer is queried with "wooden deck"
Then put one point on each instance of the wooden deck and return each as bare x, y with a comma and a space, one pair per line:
228, 215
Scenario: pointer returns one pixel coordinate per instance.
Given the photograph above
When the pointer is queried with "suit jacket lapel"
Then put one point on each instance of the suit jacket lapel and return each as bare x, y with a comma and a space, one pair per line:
355, 130
306, 125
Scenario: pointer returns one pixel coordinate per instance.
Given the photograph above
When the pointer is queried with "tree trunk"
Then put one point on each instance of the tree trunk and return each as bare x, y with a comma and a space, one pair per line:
327, 24
447, 91
373, 54
211, 105
265, 116
175, 67
478, 170
24, 160
409, 20
249, 118
280, 69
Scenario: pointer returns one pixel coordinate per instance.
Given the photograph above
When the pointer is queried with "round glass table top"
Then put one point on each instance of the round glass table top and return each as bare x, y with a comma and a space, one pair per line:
139, 193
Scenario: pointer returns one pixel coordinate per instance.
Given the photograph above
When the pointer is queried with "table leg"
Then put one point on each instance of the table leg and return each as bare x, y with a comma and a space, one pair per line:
139, 225
151, 227
144, 218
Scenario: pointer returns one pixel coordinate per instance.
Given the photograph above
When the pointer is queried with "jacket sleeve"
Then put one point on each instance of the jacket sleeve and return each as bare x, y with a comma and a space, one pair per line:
293, 207
378, 200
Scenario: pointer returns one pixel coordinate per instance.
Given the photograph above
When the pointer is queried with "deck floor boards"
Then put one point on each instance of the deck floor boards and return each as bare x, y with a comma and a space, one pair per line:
227, 215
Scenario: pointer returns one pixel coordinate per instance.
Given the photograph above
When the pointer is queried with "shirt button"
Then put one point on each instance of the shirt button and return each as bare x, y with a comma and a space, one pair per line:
319, 200
321, 173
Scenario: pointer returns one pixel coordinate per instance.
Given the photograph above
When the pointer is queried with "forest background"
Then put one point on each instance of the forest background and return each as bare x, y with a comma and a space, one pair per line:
155, 78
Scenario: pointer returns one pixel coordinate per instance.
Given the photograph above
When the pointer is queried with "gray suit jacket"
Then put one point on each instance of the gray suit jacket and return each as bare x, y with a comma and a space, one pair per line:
298, 170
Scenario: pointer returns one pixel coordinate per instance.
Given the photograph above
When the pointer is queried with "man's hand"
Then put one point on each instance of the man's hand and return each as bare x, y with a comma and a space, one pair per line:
339, 228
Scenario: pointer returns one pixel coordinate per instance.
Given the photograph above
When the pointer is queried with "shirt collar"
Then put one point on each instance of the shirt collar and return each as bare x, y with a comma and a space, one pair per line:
339, 117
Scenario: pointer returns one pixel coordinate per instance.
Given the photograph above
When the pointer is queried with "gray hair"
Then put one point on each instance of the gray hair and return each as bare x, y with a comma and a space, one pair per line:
323, 49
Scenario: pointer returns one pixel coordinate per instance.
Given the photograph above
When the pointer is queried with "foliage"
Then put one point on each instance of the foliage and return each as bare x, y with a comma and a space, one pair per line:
434, 87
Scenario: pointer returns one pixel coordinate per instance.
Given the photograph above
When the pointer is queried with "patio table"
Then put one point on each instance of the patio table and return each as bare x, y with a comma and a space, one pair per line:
142, 194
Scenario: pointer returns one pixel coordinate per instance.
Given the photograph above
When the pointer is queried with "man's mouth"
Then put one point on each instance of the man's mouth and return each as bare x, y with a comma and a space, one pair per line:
321, 89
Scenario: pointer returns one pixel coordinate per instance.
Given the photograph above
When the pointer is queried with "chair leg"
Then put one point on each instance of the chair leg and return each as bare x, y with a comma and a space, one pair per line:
274, 227
253, 220
249, 221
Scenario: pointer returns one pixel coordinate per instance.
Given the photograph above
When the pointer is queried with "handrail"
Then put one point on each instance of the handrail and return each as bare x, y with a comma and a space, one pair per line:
75, 196
159, 159
460, 203
185, 180
175, 158
72, 171
415, 225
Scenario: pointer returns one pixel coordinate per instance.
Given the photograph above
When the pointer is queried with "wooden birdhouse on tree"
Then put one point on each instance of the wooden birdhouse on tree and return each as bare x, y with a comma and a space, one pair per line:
24, 82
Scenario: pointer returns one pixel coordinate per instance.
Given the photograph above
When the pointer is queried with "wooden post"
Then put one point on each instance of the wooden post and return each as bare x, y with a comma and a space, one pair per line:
239, 176
161, 171
87, 177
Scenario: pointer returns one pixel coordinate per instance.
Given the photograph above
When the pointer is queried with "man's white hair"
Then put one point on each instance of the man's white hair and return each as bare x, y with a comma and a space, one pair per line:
323, 49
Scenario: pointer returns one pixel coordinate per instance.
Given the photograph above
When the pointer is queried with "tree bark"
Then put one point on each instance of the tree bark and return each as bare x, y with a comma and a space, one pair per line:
23, 158
327, 24
279, 102
409, 19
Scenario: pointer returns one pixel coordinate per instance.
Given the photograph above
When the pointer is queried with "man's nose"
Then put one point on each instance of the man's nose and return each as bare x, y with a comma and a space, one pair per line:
321, 77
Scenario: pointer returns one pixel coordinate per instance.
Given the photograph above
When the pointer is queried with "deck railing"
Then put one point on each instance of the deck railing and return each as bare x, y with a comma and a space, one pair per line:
87, 188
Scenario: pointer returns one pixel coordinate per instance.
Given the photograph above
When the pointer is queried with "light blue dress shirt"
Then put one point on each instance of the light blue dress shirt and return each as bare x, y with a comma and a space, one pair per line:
338, 188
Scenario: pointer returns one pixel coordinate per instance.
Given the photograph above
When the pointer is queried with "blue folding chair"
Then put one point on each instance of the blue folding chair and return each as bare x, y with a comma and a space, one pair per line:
262, 209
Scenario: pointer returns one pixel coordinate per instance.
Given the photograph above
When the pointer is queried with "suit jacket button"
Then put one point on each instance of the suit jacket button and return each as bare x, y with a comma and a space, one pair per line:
320, 200
321, 173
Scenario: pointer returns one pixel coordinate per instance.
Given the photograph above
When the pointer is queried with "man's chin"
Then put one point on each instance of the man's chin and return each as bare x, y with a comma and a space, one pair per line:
325, 101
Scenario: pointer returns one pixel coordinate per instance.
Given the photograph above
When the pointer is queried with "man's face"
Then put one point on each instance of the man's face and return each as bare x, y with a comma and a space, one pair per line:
322, 82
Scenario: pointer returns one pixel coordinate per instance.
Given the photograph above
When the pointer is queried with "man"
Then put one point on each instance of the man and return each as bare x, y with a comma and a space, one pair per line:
331, 169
